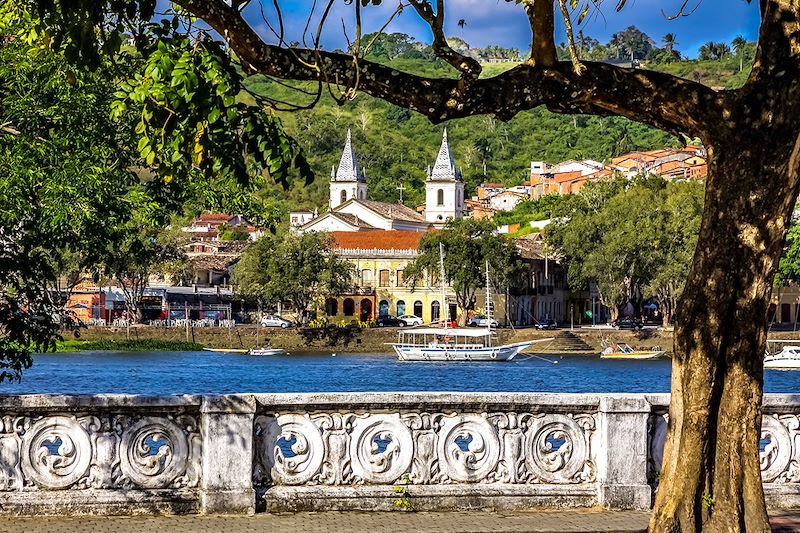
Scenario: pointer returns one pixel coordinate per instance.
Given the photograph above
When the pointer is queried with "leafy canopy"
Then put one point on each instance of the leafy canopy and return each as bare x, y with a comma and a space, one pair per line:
292, 269
468, 245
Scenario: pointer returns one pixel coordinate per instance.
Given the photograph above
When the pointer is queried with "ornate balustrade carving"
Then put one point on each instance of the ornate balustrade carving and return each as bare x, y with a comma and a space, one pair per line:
84, 451
779, 445
382, 448
117, 453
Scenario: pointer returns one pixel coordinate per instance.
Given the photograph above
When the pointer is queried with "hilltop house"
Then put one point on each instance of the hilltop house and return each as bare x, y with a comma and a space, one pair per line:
207, 227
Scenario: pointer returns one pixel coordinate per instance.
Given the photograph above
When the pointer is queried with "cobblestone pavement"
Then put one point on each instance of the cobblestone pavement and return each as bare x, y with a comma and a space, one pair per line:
584, 520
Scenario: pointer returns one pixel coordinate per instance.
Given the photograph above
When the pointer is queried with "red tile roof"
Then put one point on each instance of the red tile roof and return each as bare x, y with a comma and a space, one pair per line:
378, 240
214, 217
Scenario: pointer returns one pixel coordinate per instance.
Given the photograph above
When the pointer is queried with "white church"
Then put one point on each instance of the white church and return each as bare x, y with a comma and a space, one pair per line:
351, 210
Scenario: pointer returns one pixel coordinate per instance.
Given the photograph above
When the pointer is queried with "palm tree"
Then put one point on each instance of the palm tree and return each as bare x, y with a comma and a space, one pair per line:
670, 42
738, 45
461, 24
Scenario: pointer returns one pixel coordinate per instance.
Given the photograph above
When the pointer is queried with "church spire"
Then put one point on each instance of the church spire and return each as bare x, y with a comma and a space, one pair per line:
348, 165
445, 168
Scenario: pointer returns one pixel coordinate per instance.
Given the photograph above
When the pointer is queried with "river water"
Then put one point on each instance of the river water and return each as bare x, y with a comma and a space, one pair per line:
159, 373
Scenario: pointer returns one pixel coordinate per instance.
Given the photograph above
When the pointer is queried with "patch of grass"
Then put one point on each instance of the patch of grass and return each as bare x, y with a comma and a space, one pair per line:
143, 345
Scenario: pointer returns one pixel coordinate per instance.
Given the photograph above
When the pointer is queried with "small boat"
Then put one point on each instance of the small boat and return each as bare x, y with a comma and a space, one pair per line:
624, 351
787, 359
267, 351
225, 350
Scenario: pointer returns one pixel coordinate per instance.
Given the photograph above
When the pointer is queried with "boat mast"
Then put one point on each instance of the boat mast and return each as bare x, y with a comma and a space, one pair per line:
488, 301
444, 308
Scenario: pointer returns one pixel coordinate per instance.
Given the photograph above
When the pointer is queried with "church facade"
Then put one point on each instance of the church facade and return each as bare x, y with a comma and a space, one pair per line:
350, 209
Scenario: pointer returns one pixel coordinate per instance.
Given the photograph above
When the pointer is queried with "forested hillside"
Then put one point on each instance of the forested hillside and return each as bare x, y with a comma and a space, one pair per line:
395, 145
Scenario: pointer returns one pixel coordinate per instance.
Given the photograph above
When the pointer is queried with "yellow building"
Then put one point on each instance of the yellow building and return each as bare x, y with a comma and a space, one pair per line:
380, 258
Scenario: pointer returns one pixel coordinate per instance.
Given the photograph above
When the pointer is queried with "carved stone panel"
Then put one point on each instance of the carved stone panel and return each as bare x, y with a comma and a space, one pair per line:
382, 448
342, 448
101, 452
56, 452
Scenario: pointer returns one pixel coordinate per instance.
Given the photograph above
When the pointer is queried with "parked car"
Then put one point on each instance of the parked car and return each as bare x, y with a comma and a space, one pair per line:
390, 321
481, 321
627, 322
274, 321
410, 320
547, 323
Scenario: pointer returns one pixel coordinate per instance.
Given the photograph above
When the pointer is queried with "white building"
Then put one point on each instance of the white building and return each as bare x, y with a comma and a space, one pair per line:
444, 189
347, 181
350, 210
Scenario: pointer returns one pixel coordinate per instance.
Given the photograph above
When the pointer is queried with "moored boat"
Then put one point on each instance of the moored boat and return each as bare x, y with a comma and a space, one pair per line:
787, 359
267, 351
624, 351
453, 344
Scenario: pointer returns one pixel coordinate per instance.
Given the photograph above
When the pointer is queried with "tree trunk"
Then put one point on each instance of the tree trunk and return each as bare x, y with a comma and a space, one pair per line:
710, 478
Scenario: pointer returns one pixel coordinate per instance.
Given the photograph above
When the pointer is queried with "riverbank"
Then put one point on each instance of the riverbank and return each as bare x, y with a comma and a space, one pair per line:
126, 345
341, 340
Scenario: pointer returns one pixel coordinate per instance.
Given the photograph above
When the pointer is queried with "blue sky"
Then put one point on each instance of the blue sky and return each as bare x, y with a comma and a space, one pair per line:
503, 23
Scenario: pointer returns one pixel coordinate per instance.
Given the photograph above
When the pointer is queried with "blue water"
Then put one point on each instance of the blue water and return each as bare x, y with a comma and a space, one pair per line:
218, 373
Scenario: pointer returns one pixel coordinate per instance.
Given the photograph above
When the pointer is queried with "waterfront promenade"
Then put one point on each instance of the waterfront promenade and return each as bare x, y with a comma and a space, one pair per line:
538, 521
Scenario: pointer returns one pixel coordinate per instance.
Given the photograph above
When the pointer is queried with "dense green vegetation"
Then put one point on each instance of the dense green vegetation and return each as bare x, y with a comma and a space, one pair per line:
396, 145
293, 271
634, 241
132, 345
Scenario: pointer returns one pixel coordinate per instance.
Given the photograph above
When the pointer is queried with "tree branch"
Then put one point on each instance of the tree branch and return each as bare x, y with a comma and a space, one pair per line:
658, 99
469, 68
541, 20
777, 57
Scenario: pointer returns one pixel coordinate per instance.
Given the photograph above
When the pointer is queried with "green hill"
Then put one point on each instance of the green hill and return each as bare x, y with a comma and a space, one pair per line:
395, 145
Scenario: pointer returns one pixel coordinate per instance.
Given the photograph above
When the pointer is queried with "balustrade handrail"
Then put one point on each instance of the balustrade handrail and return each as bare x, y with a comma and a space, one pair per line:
214, 453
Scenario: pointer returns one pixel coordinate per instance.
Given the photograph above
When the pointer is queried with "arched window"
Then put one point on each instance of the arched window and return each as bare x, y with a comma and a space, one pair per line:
349, 307
343, 196
361, 195
331, 307
401, 308
418, 308
383, 308
435, 311
440, 197
366, 310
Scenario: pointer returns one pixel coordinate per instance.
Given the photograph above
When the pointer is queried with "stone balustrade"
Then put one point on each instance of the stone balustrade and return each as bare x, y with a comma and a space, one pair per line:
283, 452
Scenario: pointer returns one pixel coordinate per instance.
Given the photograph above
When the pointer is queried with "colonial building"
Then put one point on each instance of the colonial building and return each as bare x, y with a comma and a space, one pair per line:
212, 262
208, 226
350, 210
380, 260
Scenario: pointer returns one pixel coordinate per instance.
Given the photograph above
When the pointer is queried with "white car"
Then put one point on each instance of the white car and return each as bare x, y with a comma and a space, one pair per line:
481, 321
410, 320
274, 321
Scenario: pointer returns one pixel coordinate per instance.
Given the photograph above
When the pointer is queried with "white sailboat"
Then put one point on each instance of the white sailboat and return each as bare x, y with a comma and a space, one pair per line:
456, 344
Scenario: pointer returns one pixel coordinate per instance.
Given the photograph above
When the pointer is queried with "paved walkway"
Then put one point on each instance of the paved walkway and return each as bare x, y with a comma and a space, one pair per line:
540, 521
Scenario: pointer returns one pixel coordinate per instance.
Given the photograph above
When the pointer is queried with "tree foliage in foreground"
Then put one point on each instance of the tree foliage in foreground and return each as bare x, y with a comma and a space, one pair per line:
65, 192
468, 245
633, 240
293, 270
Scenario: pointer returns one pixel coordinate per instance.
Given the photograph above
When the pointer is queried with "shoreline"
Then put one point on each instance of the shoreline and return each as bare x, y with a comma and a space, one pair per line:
351, 341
